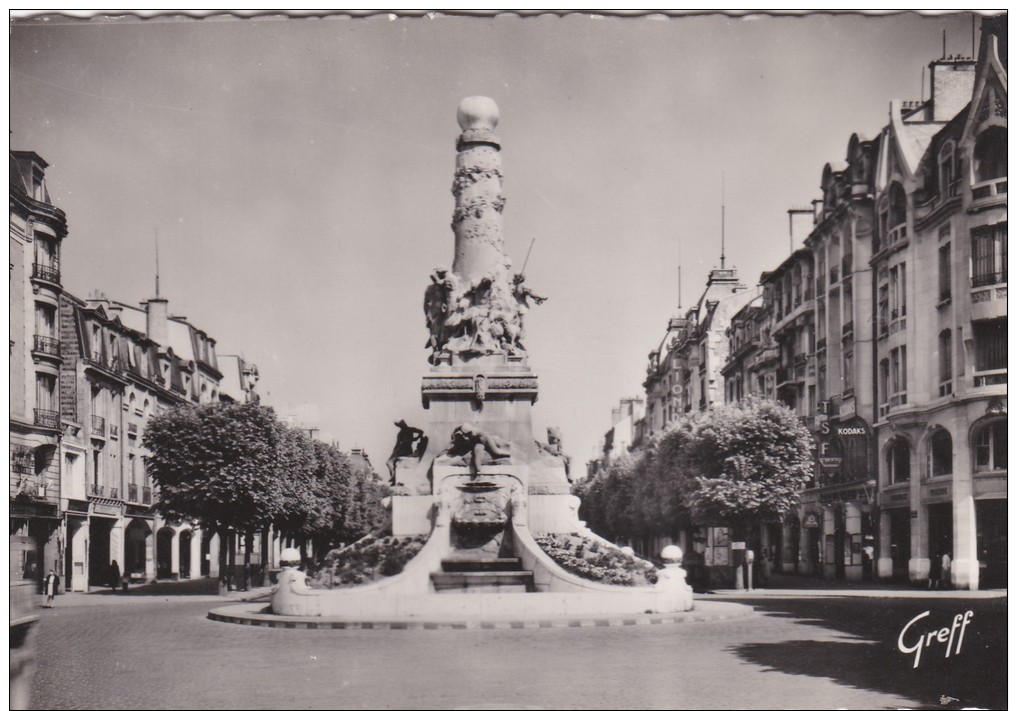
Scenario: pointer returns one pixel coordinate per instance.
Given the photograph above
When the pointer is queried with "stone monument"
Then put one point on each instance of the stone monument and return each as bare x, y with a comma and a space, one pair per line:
480, 389
474, 479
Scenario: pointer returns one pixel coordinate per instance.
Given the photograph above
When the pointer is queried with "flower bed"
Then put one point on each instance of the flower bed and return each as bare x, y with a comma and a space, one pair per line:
597, 561
366, 561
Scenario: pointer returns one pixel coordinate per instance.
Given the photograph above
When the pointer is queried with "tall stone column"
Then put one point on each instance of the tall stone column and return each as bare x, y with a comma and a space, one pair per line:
885, 562
477, 220
195, 571
175, 554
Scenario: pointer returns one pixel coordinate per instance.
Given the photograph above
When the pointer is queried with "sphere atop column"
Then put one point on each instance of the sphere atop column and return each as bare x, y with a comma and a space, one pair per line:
477, 112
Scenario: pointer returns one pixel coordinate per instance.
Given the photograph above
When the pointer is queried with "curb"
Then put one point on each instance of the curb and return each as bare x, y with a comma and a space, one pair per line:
253, 615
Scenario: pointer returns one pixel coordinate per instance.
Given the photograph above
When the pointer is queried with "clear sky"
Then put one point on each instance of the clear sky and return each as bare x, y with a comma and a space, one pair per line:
298, 173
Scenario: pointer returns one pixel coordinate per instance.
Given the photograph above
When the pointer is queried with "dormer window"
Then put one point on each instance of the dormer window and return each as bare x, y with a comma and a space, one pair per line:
947, 170
990, 155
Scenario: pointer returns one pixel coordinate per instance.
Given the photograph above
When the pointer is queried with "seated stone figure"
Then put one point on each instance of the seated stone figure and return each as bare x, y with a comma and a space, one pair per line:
553, 447
472, 447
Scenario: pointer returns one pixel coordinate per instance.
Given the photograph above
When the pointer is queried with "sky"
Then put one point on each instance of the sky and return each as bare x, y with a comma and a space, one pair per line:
297, 172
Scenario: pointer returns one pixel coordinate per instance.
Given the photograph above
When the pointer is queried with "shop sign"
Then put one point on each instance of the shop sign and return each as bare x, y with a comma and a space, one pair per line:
938, 491
101, 509
811, 520
737, 545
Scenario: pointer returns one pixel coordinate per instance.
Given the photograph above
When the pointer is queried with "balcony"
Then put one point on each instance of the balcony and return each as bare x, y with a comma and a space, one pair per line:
897, 234
847, 329
46, 345
946, 388
821, 344
988, 278
47, 418
46, 273
98, 425
98, 360
990, 377
801, 358
96, 490
114, 431
114, 493
944, 296
132, 493
132, 428
146, 495
883, 410
989, 189
898, 400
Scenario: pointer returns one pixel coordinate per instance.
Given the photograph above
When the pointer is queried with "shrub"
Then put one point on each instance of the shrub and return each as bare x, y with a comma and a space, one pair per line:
596, 561
366, 561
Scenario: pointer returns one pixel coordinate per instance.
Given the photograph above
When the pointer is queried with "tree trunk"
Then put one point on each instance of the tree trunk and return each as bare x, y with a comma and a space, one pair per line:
224, 583
248, 545
232, 558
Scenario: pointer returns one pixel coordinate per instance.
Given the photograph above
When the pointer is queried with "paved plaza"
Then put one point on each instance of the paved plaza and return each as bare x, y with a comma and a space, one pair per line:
793, 651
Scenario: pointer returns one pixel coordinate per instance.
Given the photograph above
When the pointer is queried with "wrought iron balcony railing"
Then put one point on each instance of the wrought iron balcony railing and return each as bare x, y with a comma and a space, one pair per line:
988, 278
96, 490
46, 345
46, 273
47, 418
99, 425
132, 492
146, 495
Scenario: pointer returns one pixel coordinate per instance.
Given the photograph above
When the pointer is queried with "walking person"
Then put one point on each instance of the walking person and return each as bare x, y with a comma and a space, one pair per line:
944, 575
935, 571
51, 585
114, 576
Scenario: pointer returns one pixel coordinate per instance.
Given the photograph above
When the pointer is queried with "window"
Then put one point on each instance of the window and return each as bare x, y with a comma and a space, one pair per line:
898, 291
45, 392
990, 344
898, 376
898, 462
896, 215
945, 362
849, 371
45, 320
884, 386
988, 255
941, 454
884, 310
944, 272
990, 155
990, 446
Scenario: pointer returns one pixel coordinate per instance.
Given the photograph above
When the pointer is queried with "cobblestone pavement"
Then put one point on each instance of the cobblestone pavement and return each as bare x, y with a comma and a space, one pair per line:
161, 652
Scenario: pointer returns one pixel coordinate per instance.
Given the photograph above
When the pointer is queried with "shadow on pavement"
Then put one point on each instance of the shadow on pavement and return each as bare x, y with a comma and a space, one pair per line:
200, 586
870, 659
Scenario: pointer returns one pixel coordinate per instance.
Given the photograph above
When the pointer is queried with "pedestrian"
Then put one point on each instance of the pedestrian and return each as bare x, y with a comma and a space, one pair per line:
114, 575
935, 571
51, 585
944, 575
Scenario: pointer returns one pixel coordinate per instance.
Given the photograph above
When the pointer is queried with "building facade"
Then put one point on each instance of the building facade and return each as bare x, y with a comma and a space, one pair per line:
684, 371
895, 358
86, 375
941, 382
37, 230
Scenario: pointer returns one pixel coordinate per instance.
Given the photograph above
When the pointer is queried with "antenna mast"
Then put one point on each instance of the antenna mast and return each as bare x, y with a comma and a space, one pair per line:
157, 261
722, 219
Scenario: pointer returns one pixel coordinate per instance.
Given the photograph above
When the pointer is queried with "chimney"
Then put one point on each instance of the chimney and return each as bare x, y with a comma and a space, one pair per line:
156, 316
953, 82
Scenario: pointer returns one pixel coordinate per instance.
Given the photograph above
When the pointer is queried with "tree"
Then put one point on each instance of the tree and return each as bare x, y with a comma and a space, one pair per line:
216, 465
739, 464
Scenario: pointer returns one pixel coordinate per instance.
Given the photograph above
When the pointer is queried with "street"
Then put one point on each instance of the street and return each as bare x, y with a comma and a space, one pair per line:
107, 651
